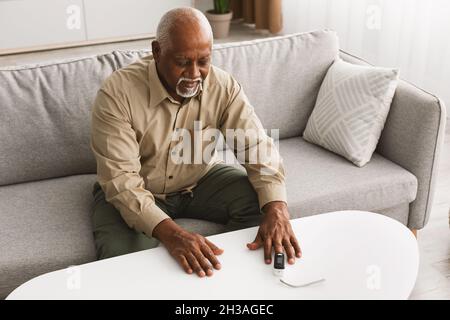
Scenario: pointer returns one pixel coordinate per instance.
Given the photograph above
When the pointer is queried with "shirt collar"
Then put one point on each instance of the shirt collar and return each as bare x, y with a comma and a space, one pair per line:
158, 92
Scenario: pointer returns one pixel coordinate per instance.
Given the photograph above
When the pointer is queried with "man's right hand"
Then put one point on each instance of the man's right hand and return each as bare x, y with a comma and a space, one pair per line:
193, 252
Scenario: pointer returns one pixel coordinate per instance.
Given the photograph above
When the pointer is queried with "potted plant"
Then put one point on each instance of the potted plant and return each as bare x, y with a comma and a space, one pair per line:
220, 18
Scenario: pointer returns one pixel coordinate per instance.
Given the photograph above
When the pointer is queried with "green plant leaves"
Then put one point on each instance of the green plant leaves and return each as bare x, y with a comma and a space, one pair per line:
221, 6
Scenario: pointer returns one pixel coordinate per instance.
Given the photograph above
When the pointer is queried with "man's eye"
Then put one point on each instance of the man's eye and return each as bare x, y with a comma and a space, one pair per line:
182, 63
203, 62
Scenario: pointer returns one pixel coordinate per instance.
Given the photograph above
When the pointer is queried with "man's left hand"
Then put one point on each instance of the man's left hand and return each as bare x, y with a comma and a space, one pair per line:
276, 232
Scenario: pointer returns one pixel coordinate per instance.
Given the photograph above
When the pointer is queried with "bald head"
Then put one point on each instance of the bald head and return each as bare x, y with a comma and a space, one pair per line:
181, 23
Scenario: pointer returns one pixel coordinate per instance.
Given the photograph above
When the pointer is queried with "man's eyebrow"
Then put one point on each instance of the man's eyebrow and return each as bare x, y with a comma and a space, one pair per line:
187, 58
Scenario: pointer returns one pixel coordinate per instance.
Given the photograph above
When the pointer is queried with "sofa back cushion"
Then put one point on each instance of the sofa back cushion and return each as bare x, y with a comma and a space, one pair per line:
281, 76
45, 117
45, 109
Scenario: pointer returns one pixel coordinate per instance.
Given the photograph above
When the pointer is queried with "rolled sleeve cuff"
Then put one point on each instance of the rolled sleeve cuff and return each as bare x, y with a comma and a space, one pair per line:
150, 218
271, 192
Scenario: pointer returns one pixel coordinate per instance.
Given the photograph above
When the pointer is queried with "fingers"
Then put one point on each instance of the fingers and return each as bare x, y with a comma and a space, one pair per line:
184, 264
209, 254
290, 252
202, 259
195, 265
197, 254
256, 244
268, 250
204, 263
216, 250
298, 251
281, 240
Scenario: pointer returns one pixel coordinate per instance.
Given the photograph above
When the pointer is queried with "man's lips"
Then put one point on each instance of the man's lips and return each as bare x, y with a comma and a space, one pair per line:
189, 84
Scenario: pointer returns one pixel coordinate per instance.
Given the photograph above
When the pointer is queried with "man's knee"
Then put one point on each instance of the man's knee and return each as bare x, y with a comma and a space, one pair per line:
113, 237
110, 244
244, 210
244, 195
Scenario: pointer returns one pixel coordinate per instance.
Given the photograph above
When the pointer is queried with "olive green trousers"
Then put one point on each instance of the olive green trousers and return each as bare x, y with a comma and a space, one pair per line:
224, 195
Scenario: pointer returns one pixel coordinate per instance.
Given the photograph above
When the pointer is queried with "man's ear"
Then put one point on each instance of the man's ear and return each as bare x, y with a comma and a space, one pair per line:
156, 50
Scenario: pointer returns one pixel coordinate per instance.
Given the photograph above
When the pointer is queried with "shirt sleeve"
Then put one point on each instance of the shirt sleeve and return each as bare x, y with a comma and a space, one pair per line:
253, 148
116, 150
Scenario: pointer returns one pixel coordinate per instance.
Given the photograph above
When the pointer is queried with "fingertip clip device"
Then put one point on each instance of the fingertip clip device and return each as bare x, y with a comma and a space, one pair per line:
278, 264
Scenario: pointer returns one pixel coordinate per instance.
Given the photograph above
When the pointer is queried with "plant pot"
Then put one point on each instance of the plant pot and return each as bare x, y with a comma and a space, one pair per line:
220, 23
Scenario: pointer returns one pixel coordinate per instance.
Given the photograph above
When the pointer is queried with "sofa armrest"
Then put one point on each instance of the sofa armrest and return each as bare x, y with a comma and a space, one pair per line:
413, 137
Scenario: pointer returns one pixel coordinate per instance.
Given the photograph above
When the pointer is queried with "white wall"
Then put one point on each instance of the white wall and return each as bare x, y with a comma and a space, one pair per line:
31, 23
412, 35
204, 5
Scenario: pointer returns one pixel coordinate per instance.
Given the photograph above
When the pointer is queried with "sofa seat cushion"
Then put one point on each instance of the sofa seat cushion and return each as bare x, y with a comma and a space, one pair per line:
45, 226
320, 181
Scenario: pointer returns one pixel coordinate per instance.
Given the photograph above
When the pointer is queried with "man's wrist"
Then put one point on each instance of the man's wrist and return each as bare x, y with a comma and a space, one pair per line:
164, 229
276, 207
279, 205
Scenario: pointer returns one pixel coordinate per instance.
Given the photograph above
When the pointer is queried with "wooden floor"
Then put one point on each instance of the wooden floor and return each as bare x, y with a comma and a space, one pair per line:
434, 240
433, 281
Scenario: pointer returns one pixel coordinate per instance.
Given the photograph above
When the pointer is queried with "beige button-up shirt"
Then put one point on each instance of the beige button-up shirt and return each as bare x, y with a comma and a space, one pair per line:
134, 122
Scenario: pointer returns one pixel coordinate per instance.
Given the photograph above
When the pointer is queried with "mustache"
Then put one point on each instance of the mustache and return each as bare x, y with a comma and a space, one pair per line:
200, 80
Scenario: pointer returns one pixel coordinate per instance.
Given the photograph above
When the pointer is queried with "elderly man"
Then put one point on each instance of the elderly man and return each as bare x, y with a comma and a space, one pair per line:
141, 189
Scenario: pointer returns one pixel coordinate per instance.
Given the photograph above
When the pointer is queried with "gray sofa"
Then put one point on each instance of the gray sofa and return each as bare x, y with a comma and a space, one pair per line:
48, 170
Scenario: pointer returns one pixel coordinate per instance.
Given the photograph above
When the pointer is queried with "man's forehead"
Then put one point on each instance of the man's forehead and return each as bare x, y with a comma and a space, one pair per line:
191, 51
190, 54
190, 40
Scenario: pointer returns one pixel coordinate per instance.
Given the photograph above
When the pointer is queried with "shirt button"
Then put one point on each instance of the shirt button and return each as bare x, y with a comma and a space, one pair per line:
170, 177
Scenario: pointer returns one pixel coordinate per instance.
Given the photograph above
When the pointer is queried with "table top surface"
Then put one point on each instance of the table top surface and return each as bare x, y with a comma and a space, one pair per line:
360, 255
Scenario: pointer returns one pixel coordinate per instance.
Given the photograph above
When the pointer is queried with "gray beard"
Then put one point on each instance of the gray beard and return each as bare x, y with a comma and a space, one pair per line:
189, 93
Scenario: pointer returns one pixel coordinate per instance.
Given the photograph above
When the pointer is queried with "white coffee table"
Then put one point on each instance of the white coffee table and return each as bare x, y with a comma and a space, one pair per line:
360, 255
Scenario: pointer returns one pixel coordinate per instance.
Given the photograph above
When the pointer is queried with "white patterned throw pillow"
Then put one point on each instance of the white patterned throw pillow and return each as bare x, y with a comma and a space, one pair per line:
351, 109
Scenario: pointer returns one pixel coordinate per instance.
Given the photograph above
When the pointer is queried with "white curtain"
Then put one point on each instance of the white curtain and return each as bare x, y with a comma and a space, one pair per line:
412, 35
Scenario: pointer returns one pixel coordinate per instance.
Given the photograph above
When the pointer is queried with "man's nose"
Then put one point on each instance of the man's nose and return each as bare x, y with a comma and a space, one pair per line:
194, 71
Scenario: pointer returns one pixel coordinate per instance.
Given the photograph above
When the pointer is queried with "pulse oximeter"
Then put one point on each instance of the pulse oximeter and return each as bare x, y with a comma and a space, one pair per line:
278, 264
